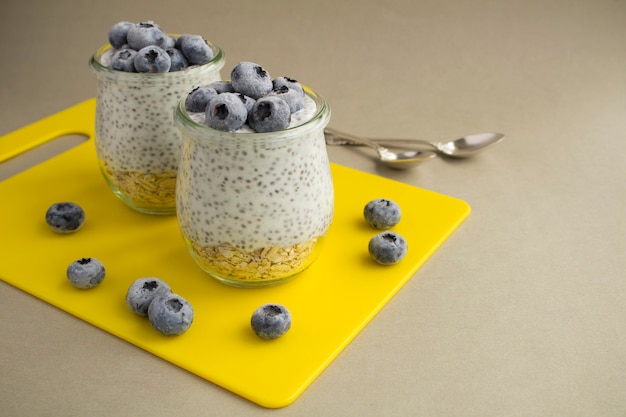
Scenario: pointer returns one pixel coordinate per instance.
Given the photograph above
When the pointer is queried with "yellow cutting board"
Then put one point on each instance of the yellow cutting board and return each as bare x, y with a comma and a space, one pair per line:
330, 302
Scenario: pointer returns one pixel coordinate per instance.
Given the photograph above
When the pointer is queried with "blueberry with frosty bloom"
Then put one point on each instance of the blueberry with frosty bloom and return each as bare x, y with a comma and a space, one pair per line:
170, 314
251, 80
152, 59
65, 217
387, 248
271, 321
142, 291
86, 273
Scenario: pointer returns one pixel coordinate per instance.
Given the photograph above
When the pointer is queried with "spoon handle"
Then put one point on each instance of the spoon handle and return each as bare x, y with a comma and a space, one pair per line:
336, 138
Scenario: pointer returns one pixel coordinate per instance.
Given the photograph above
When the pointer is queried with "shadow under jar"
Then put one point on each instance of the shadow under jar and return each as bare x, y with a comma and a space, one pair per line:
253, 208
137, 143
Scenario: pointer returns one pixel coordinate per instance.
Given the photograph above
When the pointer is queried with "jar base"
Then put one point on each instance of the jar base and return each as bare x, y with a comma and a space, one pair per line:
145, 193
252, 284
156, 211
261, 268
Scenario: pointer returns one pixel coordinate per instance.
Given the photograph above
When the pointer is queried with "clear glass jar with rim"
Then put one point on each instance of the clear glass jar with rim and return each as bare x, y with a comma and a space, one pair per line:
137, 143
253, 208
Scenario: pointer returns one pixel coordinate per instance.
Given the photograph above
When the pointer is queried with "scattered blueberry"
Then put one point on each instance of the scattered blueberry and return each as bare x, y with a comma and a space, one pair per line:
382, 213
227, 112
178, 60
152, 59
170, 314
270, 321
288, 82
222, 87
124, 60
196, 49
145, 34
387, 248
198, 98
251, 80
142, 291
292, 97
86, 273
269, 114
65, 217
118, 33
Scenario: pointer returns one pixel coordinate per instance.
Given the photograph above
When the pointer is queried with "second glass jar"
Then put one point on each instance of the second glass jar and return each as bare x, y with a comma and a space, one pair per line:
137, 143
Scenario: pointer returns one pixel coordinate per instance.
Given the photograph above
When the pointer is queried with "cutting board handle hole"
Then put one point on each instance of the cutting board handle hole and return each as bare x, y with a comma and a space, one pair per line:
40, 153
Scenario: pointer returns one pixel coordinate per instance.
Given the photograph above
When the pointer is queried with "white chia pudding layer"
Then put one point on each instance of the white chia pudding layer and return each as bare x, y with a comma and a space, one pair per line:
134, 123
253, 196
137, 142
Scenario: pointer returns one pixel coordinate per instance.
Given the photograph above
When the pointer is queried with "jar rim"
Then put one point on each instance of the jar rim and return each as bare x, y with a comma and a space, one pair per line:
203, 132
105, 72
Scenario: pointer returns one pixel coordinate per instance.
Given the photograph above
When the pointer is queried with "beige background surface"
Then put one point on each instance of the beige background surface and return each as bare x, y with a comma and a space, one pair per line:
521, 313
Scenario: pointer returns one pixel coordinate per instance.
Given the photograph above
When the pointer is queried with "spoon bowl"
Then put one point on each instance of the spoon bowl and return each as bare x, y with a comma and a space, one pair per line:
402, 159
459, 148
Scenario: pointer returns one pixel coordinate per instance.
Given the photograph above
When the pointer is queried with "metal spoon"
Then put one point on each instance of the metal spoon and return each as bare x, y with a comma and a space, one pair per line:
459, 148
404, 159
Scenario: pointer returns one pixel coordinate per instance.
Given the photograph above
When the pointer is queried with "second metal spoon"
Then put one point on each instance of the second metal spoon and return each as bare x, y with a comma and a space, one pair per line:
459, 148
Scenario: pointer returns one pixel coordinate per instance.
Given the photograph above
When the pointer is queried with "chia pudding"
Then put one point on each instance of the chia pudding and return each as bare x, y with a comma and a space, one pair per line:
137, 143
253, 208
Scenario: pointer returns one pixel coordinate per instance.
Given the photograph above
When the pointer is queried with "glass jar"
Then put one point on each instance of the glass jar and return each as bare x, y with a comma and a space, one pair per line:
137, 143
253, 208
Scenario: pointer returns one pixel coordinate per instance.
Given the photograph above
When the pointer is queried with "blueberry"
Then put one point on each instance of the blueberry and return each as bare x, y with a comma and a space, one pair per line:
222, 87
226, 112
170, 314
382, 213
248, 101
178, 60
152, 59
270, 321
124, 60
251, 80
170, 42
288, 82
269, 114
65, 217
142, 291
145, 34
292, 97
86, 273
387, 248
195, 48
118, 32
180, 39
198, 98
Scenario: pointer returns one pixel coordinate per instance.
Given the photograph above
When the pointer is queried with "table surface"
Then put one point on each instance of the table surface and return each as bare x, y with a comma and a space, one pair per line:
521, 312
